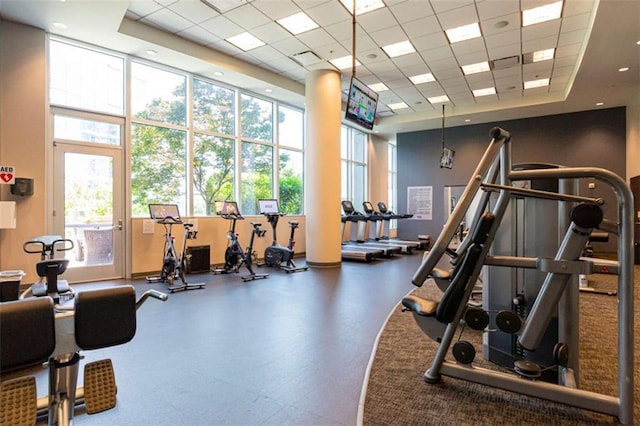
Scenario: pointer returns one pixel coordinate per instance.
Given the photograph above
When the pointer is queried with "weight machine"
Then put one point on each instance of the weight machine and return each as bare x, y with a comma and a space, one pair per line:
557, 296
173, 265
49, 268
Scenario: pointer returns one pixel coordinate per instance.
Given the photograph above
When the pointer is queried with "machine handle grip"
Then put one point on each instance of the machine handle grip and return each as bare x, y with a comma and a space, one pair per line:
151, 293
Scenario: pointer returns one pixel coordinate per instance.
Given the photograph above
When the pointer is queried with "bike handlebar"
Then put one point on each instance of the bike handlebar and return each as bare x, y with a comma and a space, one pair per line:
47, 244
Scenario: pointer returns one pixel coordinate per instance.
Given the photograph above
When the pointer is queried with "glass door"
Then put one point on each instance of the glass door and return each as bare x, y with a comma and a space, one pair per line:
88, 205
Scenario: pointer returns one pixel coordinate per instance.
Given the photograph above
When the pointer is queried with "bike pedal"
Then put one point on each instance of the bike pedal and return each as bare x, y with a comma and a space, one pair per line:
99, 386
18, 401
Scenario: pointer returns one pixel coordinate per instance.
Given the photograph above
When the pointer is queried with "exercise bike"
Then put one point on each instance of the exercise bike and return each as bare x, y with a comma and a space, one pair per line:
234, 256
49, 268
276, 255
173, 265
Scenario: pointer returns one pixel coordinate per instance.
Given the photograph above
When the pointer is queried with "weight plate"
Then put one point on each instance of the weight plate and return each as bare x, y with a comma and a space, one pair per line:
476, 318
464, 352
508, 321
527, 368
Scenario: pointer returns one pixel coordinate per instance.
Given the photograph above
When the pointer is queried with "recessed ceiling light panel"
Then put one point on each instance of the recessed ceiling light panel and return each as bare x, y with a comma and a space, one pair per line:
344, 62
532, 84
245, 41
398, 105
378, 87
475, 68
438, 99
362, 6
399, 49
465, 32
540, 14
484, 92
298, 23
422, 78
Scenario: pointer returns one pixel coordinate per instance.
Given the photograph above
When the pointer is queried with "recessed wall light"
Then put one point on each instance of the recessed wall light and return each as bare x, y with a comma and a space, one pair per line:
268, 90
298, 23
532, 84
540, 14
623, 69
378, 87
438, 99
398, 105
484, 92
465, 32
344, 62
59, 25
475, 68
467, 120
151, 52
399, 49
218, 73
245, 41
599, 103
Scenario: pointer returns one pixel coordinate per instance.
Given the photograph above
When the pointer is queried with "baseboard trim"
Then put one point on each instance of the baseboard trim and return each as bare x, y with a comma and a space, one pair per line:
324, 264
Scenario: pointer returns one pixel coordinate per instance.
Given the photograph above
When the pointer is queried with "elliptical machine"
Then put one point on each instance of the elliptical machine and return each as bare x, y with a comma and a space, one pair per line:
276, 255
173, 265
49, 268
234, 255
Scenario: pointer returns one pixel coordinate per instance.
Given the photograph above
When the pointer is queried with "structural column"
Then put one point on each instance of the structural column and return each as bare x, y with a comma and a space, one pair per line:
322, 169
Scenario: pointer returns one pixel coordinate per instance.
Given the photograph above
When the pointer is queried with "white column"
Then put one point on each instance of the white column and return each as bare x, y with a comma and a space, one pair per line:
322, 169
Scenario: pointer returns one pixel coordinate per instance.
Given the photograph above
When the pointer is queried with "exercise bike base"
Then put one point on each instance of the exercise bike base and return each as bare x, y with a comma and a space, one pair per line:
246, 278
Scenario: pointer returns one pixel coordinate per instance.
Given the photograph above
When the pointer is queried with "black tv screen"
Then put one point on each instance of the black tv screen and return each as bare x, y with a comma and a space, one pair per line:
361, 104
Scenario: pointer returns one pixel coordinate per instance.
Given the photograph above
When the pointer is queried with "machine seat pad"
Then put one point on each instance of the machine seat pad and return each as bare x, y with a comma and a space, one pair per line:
105, 317
440, 274
27, 332
57, 266
420, 306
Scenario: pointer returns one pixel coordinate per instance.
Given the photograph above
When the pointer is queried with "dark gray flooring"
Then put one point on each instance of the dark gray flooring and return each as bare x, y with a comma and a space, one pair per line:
291, 349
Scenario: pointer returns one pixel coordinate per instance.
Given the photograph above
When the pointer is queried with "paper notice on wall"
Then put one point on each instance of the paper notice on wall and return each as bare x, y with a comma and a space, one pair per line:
420, 202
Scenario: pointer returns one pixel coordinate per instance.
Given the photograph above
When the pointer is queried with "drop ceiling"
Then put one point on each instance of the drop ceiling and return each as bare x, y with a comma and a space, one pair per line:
592, 40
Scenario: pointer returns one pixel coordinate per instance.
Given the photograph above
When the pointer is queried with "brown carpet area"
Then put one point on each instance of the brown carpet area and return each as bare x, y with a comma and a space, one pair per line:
397, 395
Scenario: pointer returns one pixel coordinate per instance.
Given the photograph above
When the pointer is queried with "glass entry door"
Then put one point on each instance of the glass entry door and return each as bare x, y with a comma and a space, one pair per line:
88, 209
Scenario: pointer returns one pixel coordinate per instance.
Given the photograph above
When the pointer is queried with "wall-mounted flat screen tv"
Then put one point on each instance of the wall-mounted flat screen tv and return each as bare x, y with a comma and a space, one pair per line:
361, 104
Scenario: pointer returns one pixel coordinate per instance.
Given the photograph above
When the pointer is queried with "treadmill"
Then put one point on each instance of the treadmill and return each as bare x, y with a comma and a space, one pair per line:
383, 234
377, 223
357, 252
358, 223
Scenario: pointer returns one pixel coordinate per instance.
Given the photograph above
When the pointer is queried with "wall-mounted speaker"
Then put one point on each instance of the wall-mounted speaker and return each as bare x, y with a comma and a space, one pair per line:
22, 186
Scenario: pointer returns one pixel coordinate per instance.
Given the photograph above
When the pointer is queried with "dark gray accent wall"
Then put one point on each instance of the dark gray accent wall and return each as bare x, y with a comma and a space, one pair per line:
592, 139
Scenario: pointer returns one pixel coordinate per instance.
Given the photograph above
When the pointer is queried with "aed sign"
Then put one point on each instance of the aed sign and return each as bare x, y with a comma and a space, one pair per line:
7, 175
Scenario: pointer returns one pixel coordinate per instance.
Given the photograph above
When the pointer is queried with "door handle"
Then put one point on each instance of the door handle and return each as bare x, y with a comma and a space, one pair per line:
119, 225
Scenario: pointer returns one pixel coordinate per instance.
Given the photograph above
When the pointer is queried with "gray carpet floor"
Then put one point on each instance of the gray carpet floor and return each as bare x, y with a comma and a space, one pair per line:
397, 395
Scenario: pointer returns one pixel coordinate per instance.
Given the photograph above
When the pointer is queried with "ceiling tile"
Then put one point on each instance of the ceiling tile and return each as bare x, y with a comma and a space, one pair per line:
247, 17
343, 30
328, 13
290, 46
461, 16
469, 47
444, 65
568, 50
437, 54
422, 26
503, 39
493, 9
508, 73
410, 10
199, 35
577, 7
226, 47
440, 6
222, 27
409, 60
545, 29
275, 11
542, 43
388, 36
317, 37
270, 32
430, 41
504, 52
266, 54
576, 22
194, 11
571, 37
331, 51
497, 25
167, 20
143, 8
376, 20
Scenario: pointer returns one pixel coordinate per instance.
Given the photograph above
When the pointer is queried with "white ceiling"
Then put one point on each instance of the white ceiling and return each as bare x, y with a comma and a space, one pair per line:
593, 39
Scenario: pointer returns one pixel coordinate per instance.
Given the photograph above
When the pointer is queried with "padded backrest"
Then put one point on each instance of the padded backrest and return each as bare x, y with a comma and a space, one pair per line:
46, 268
105, 317
453, 296
27, 332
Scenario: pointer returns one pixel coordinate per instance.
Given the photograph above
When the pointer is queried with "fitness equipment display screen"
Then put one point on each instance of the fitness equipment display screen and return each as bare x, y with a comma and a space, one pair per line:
361, 104
162, 211
230, 208
268, 206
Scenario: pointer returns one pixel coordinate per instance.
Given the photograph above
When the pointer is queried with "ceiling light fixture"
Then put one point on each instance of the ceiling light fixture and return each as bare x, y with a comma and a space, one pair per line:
306, 58
543, 55
59, 25
438, 99
152, 52
378, 87
599, 103
484, 92
298, 23
422, 78
475, 68
532, 84
465, 32
218, 73
362, 6
245, 41
222, 6
344, 62
623, 69
399, 49
398, 105
540, 14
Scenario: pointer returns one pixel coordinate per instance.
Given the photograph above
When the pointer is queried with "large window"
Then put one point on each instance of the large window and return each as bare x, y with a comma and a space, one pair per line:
354, 166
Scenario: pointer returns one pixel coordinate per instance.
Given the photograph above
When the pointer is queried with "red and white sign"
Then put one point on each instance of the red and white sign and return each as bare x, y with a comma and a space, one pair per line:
7, 175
